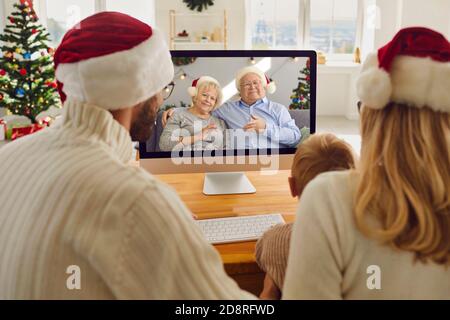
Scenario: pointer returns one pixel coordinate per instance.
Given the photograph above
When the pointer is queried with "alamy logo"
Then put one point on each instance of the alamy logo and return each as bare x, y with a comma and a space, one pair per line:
73, 282
374, 280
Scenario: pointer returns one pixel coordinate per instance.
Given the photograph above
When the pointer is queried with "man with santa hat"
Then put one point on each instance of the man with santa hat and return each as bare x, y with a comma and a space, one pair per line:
77, 221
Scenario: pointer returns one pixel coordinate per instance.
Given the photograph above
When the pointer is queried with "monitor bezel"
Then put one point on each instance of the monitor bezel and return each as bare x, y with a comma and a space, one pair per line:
144, 154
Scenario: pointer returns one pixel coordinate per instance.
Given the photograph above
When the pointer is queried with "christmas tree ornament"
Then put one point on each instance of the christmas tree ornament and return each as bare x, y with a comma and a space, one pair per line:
34, 31
27, 55
8, 55
2, 73
23, 72
12, 20
20, 93
18, 50
1, 96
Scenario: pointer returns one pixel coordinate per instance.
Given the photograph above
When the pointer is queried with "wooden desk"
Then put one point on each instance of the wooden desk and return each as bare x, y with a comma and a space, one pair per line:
272, 195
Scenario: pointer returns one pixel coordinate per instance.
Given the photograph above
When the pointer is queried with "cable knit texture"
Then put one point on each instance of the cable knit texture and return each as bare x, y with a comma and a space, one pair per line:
69, 197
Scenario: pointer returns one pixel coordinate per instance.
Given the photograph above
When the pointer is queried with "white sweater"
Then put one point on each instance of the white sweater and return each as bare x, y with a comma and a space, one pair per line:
68, 197
329, 257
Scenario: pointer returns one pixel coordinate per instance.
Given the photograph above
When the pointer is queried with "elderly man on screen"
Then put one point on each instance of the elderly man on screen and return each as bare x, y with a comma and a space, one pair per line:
264, 122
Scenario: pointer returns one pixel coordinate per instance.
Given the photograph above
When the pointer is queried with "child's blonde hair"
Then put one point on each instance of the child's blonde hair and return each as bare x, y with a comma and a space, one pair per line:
320, 153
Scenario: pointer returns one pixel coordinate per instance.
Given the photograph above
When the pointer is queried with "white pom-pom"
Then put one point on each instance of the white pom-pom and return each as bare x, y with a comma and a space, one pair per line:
271, 87
192, 91
374, 88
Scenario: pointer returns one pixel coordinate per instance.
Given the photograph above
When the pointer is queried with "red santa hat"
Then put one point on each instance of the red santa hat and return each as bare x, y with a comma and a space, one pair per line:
193, 90
113, 61
412, 69
267, 83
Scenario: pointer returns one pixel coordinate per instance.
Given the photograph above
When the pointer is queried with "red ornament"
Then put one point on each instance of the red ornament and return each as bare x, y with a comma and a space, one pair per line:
25, 3
1, 97
23, 72
51, 84
307, 78
11, 19
34, 31
50, 50
2, 72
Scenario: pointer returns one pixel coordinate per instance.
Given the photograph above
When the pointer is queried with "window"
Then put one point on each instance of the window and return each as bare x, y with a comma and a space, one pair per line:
64, 14
274, 24
61, 15
333, 26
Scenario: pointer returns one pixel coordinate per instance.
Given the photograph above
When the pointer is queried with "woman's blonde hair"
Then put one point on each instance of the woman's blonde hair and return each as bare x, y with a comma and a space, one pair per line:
210, 85
320, 153
404, 180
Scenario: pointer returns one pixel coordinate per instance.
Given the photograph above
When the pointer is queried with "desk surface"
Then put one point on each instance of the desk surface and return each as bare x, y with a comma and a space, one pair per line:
272, 195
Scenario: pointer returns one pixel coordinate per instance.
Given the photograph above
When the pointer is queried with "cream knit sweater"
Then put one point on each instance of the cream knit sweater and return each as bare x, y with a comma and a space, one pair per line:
330, 259
68, 198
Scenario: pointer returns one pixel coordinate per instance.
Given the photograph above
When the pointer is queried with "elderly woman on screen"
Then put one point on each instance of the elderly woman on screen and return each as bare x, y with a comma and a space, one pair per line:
195, 128
382, 231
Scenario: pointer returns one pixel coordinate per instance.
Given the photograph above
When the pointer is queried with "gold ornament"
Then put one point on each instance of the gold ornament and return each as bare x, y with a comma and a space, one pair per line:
18, 50
357, 57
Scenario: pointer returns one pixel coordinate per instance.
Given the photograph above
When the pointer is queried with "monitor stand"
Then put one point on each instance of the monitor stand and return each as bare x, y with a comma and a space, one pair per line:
227, 183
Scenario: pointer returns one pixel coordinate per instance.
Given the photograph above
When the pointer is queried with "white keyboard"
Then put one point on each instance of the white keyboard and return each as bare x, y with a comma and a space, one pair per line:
236, 229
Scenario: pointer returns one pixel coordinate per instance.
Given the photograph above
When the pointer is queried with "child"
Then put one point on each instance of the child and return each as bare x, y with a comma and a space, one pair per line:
319, 153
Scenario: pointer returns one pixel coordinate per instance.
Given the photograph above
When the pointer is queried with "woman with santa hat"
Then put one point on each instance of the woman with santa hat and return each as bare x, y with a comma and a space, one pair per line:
195, 128
382, 231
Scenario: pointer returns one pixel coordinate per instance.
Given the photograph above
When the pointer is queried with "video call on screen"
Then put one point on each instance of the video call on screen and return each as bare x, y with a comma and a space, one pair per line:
285, 112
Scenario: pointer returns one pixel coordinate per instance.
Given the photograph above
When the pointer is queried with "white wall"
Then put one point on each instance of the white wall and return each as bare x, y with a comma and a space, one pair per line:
434, 14
235, 14
397, 14
2, 17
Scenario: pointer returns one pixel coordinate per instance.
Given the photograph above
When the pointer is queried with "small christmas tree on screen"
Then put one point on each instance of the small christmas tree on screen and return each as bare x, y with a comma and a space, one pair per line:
301, 95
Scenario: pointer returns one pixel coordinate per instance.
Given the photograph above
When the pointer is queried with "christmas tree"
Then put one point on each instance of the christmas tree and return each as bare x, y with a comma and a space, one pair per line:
27, 77
301, 95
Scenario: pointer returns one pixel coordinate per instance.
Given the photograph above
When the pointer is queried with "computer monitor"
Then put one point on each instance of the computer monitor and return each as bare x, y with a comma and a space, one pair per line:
237, 139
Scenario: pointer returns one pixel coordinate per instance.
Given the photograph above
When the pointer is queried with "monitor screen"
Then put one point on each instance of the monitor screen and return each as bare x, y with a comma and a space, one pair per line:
235, 102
